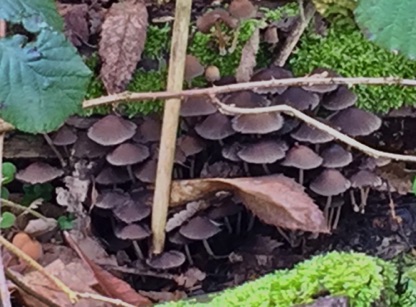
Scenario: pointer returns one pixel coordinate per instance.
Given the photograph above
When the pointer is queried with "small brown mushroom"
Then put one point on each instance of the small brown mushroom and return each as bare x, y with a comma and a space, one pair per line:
84, 147
336, 156
215, 127
38, 173
112, 130
340, 99
195, 106
299, 99
193, 68
147, 172
112, 176
167, 260
135, 233
262, 123
309, 134
178, 239
364, 180
81, 123
241, 10
64, 137
212, 74
302, 158
273, 72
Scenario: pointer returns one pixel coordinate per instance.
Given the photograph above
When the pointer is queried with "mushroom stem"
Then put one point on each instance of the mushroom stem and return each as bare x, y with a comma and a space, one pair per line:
131, 175
337, 216
238, 226
354, 202
138, 250
235, 39
188, 254
228, 224
54, 149
246, 168
301, 175
192, 168
251, 221
364, 191
221, 40
266, 169
327, 206
210, 252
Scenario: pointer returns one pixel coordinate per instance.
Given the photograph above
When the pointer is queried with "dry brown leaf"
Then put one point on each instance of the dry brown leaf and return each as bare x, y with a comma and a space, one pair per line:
182, 216
75, 275
75, 22
37, 227
110, 285
164, 296
190, 278
122, 41
276, 200
248, 58
397, 178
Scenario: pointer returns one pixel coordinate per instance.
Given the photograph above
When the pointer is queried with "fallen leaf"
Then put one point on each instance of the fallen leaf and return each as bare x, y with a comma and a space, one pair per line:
122, 41
190, 278
75, 22
276, 200
248, 58
178, 219
38, 227
397, 178
110, 285
74, 195
164, 296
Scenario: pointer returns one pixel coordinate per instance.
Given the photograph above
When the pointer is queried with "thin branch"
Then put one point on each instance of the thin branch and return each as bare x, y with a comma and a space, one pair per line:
295, 34
170, 124
231, 110
312, 80
8, 203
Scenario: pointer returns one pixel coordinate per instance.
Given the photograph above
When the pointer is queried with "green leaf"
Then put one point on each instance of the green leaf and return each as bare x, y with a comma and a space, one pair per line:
65, 222
42, 82
8, 170
36, 191
33, 14
389, 24
414, 186
7, 220
5, 194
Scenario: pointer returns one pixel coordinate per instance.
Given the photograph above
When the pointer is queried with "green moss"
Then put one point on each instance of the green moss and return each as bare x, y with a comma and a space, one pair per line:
346, 50
158, 41
365, 280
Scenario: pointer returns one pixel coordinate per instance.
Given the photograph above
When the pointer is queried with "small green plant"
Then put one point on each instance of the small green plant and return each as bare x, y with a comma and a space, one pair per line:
8, 174
66, 222
32, 192
7, 220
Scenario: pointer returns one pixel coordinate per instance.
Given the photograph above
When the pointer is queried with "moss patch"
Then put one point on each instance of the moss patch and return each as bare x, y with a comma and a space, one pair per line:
203, 46
346, 50
363, 279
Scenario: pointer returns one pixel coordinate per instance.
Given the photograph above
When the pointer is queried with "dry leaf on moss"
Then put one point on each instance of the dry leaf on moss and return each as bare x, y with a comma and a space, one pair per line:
248, 58
276, 200
122, 41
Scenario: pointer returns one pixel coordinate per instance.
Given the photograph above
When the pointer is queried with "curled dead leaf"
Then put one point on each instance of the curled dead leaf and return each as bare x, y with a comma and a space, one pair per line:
123, 36
276, 200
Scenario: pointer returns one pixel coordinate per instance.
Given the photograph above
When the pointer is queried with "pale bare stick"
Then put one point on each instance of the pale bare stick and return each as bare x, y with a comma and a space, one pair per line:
170, 124
312, 80
296, 33
232, 110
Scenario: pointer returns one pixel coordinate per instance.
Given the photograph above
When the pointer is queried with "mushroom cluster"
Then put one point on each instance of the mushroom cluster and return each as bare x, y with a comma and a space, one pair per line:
211, 144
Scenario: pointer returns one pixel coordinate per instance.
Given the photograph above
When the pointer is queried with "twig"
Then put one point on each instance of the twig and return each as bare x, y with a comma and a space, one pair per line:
54, 149
231, 110
170, 124
295, 34
73, 296
312, 80
8, 203
4, 291
28, 290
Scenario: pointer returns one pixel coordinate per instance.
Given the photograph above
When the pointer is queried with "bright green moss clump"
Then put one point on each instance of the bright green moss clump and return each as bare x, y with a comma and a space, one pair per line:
347, 51
363, 279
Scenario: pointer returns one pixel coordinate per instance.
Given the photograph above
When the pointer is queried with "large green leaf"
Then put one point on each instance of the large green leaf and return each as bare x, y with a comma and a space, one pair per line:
33, 14
41, 82
390, 24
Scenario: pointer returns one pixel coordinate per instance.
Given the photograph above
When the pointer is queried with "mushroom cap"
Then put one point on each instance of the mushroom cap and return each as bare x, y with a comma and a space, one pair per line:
242, 9
229, 152
147, 172
302, 157
215, 127
299, 99
110, 199
212, 73
81, 123
149, 130
193, 68
166, 260
39, 172
199, 228
365, 178
111, 130
131, 232
84, 147
323, 88
127, 154
262, 123
356, 122
197, 106
306, 133
130, 211
205, 22
246, 99
190, 145
329, 183
340, 99
271, 36
178, 239
64, 136
263, 152
112, 175
274, 72
336, 156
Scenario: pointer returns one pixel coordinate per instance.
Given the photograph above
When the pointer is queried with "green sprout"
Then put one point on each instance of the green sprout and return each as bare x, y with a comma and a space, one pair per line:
348, 52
